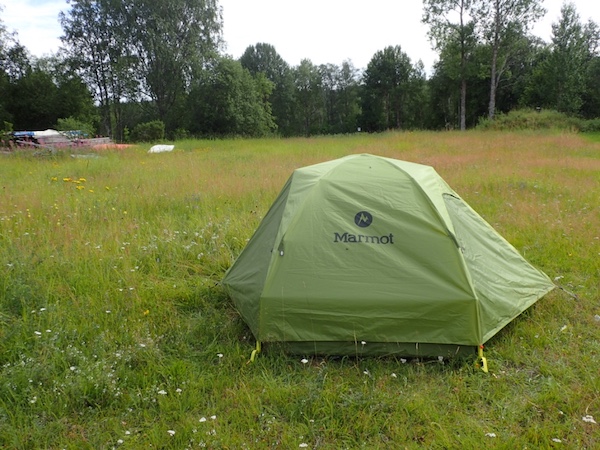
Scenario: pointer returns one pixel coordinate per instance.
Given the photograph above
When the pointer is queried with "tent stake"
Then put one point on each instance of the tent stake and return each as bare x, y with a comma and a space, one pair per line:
255, 352
482, 359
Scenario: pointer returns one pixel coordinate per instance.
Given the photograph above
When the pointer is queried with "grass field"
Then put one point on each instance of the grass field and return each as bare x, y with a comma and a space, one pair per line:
115, 332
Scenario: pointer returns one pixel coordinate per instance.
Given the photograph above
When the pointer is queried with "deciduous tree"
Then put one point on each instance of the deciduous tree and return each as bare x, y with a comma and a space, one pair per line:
388, 88
171, 41
96, 44
564, 78
451, 26
340, 89
140, 50
309, 102
576, 45
33, 101
263, 59
503, 25
228, 100
14, 64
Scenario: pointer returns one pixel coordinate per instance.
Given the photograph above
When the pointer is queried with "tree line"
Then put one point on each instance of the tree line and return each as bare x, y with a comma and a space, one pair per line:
125, 64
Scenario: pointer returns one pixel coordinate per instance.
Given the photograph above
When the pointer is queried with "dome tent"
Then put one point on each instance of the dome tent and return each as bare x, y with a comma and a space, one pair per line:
366, 255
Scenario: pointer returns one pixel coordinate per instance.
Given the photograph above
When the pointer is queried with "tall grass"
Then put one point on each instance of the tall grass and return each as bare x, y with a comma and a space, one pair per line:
115, 332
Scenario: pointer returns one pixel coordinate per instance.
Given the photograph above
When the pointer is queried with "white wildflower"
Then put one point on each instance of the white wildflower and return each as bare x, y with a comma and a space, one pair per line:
303, 445
171, 432
558, 441
492, 435
588, 419
304, 360
202, 419
162, 392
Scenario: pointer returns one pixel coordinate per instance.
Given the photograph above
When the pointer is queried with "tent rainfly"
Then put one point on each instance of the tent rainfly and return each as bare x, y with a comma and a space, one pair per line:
366, 255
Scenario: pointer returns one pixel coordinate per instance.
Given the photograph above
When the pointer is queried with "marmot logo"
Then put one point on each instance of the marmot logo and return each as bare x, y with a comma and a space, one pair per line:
361, 238
363, 219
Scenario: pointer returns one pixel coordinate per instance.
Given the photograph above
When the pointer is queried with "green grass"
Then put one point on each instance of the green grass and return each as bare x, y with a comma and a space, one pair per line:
595, 137
115, 332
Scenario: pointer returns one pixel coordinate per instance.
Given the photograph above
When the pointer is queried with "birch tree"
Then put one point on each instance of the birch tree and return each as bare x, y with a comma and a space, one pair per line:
503, 25
451, 25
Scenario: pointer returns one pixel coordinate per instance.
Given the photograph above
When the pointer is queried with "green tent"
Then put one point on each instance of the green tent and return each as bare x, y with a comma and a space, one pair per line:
366, 255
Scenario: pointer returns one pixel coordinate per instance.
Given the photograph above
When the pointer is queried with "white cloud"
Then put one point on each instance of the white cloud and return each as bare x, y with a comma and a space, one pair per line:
36, 22
324, 31
328, 31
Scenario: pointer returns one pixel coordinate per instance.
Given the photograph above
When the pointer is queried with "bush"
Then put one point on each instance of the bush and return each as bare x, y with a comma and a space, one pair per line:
5, 134
148, 131
180, 133
590, 126
529, 119
72, 124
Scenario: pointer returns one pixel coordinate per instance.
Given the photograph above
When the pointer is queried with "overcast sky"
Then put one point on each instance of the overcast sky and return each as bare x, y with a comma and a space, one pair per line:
324, 31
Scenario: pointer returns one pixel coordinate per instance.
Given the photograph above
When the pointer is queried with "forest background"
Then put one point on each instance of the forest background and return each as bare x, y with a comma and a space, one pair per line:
137, 70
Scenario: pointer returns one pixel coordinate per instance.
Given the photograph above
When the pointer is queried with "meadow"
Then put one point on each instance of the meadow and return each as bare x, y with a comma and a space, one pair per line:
116, 333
